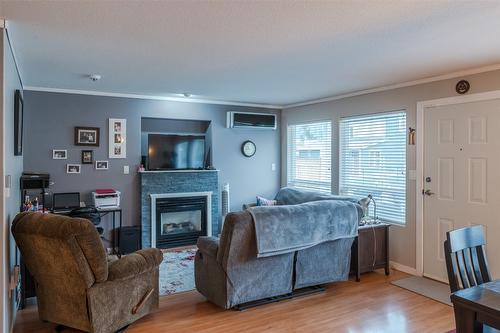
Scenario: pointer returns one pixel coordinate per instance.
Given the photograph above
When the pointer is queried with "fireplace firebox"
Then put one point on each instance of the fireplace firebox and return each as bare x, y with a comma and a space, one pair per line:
180, 221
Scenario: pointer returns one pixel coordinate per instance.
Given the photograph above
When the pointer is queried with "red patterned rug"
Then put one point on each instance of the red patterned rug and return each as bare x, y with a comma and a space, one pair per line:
177, 271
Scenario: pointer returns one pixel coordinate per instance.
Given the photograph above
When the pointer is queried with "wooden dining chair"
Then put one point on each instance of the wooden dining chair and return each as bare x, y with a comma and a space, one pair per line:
465, 256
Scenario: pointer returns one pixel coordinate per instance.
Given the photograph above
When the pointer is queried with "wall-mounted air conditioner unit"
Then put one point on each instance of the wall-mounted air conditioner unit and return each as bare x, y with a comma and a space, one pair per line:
251, 120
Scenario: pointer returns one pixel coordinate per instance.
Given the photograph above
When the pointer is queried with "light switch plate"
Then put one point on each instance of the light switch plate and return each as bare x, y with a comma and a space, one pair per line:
273, 166
126, 170
412, 174
8, 184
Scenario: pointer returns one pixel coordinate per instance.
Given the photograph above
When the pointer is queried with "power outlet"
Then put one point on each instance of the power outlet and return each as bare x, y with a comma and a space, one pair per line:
126, 170
273, 166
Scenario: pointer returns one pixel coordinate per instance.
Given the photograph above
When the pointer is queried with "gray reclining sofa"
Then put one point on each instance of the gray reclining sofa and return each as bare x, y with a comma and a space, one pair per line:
228, 271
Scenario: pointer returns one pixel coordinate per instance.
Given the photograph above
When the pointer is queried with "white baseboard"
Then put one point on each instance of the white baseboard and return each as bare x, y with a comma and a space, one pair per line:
403, 268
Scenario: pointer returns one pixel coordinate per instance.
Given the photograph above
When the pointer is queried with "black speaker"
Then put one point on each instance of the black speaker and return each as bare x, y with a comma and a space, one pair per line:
130, 239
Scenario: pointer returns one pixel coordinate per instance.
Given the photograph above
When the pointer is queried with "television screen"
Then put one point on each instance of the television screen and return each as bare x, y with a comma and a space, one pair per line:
167, 152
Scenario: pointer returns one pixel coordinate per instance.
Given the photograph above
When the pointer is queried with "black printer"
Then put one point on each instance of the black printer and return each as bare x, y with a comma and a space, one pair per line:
34, 180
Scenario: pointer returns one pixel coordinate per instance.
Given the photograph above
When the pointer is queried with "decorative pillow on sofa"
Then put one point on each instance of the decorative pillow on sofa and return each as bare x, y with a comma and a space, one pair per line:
265, 202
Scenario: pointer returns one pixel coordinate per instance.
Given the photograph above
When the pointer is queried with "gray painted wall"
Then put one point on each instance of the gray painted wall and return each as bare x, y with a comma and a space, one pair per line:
13, 164
50, 118
161, 125
402, 238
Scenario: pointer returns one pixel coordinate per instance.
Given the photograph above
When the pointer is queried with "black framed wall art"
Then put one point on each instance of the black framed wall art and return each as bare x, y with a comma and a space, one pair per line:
18, 123
87, 136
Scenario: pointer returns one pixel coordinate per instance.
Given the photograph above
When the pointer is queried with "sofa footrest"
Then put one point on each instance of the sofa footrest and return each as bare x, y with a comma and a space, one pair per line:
294, 294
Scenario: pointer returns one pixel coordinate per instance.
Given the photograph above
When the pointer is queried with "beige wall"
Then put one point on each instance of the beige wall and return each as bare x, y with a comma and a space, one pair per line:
402, 238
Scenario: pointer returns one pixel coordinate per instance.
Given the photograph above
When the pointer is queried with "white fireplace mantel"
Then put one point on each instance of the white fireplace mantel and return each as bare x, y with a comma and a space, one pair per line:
155, 197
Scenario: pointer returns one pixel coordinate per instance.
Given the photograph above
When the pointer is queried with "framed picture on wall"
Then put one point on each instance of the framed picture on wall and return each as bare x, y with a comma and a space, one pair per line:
73, 168
87, 156
87, 136
117, 138
59, 154
18, 123
101, 165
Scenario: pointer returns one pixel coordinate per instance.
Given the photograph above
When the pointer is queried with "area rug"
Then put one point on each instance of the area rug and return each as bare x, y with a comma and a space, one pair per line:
435, 290
177, 271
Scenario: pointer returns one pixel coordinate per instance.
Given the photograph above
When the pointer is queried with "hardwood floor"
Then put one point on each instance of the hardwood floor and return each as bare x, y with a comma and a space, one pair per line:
370, 306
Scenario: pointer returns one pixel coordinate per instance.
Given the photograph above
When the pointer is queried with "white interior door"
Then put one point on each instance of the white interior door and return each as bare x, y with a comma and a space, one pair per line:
461, 174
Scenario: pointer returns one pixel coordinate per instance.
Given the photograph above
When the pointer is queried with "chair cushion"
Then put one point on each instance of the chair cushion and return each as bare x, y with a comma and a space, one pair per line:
134, 264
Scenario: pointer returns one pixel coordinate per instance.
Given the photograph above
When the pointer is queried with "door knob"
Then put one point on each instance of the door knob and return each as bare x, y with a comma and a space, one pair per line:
427, 192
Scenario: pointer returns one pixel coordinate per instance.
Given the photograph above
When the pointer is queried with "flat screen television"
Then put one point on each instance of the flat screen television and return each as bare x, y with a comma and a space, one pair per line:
173, 152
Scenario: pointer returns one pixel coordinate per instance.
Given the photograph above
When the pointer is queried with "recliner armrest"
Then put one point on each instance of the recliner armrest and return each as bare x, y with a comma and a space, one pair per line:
248, 205
208, 245
134, 264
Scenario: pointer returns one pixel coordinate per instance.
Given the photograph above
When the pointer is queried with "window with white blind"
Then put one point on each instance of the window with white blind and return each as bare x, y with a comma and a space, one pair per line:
373, 161
309, 156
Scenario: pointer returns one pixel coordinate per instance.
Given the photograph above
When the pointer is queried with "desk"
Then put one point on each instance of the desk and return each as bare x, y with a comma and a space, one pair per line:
477, 306
115, 242
115, 234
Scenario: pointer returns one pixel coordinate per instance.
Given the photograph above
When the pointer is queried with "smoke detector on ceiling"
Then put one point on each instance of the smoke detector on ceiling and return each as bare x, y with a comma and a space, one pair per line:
95, 77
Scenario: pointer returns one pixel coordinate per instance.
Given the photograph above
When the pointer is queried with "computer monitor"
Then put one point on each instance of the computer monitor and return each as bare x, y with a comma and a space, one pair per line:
65, 201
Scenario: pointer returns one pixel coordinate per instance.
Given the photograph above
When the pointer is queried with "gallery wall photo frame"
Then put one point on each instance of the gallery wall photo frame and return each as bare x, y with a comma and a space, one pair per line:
87, 136
73, 168
101, 165
87, 156
18, 123
59, 154
117, 138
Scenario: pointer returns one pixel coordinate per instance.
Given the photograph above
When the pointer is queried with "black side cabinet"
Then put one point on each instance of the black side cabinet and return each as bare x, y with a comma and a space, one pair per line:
370, 249
27, 288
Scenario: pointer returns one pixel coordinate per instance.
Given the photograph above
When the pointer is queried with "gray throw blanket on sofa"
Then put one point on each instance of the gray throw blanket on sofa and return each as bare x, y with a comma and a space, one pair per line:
284, 229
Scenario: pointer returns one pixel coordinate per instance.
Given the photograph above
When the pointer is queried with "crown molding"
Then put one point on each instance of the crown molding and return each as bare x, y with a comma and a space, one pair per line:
151, 97
5, 25
452, 75
284, 107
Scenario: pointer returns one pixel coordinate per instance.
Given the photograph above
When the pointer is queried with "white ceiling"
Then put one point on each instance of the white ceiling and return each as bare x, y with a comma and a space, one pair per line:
269, 52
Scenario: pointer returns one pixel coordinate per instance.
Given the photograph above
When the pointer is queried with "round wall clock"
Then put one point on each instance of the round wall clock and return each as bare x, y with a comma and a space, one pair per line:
248, 148
462, 87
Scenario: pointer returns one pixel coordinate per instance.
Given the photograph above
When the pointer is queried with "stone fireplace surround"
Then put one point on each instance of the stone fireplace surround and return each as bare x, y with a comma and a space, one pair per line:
177, 183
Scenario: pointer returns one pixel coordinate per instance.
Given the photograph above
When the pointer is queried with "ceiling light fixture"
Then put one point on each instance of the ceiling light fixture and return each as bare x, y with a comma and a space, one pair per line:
95, 77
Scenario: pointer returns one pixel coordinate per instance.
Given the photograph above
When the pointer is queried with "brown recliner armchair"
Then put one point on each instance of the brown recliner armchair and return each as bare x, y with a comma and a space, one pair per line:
75, 285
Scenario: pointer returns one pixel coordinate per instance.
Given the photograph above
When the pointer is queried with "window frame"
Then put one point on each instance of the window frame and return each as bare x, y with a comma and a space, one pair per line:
287, 150
341, 153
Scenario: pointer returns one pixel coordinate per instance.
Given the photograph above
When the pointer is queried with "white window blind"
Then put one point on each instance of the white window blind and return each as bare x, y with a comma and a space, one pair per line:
373, 161
309, 156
